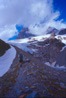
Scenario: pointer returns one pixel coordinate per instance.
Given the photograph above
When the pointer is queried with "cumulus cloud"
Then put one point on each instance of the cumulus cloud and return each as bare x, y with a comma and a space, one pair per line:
7, 32
38, 15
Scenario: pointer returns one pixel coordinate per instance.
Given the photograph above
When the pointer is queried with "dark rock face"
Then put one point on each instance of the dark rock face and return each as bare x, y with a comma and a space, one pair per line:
3, 47
53, 42
50, 49
52, 52
61, 60
63, 31
24, 34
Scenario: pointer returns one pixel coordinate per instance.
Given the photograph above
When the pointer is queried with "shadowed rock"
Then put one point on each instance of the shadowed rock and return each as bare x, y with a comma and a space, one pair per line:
24, 33
63, 31
3, 47
61, 60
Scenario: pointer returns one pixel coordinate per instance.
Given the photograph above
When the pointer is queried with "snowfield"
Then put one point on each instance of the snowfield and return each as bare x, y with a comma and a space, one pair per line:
53, 65
62, 38
38, 38
25, 43
6, 60
26, 40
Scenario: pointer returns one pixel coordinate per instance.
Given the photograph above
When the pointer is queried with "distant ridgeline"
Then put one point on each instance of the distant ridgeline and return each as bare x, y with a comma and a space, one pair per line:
3, 47
22, 32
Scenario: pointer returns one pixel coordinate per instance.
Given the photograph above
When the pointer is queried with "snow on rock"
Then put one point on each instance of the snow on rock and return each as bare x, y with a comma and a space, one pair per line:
46, 45
63, 48
53, 65
50, 64
26, 40
23, 46
34, 50
61, 60
40, 38
62, 38
62, 85
24, 43
6, 60
63, 41
60, 67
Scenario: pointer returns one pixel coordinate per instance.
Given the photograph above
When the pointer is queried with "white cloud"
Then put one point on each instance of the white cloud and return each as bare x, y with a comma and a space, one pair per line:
7, 32
28, 13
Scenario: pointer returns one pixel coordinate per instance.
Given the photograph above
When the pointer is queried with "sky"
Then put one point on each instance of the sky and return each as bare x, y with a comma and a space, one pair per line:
37, 15
61, 6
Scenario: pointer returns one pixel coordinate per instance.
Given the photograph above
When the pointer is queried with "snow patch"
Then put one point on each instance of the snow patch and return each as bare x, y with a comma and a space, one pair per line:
62, 48
62, 38
26, 40
6, 60
50, 64
34, 50
62, 85
61, 67
53, 65
24, 47
46, 45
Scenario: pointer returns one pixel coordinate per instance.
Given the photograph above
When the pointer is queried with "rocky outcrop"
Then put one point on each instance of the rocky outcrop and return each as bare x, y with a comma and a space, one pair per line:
3, 47
62, 32
49, 49
61, 60
53, 42
52, 30
24, 33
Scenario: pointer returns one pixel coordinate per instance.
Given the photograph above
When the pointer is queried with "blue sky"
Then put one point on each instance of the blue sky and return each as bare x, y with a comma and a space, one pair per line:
61, 6
31, 12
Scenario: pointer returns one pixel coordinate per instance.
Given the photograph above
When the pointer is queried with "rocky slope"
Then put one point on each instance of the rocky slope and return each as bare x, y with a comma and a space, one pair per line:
35, 75
48, 50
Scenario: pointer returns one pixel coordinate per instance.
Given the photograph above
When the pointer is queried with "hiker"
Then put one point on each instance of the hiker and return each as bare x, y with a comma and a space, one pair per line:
21, 59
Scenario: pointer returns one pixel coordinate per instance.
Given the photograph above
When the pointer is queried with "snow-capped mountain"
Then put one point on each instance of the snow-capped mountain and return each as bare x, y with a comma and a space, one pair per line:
25, 32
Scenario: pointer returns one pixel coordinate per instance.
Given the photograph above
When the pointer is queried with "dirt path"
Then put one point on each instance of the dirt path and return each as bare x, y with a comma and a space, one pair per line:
35, 75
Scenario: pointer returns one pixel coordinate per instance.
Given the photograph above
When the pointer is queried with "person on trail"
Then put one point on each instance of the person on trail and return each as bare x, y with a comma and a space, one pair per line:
21, 59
